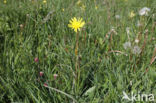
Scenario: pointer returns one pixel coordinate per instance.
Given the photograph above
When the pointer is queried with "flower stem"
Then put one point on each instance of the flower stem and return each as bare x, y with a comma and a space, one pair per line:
76, 53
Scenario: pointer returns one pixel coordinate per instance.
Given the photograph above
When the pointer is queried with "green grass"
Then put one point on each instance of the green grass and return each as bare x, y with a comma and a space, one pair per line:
30, 30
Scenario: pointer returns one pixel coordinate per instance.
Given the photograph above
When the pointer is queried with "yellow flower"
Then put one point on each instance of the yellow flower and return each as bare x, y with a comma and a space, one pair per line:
5, 1
63, 9
44, 1
79, 2
76, 24
132, 14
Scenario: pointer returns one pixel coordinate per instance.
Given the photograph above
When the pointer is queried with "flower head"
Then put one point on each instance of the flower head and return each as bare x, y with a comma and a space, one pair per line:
41, 74
63, 9
127, 45
132, 14
117, 16
55, 76
136, 50
5, 1
136, 40
76, 24
45, 85
128, 30
144, 11
79, 2
36, 59
44, 1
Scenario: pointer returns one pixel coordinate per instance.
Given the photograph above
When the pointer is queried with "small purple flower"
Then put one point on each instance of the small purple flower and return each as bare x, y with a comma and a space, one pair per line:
36, 60
55, 76
41, 74
45, 84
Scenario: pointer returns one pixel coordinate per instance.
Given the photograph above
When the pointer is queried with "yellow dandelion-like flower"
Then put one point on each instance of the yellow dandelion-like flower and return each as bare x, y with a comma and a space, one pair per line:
63, 9
132, 14
76, 24
44, 1
5, 1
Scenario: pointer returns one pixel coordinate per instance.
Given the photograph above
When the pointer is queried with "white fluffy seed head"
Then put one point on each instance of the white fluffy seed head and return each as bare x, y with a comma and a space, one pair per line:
144, 11
127, 45
136, 50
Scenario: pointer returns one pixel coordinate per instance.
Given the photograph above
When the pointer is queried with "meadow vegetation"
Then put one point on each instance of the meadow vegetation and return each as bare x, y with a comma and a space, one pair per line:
43, 60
